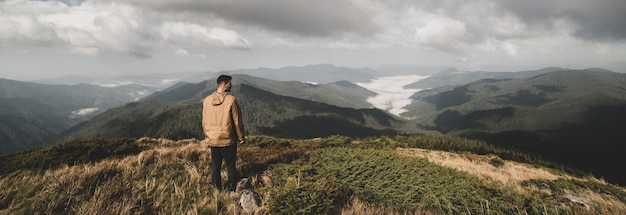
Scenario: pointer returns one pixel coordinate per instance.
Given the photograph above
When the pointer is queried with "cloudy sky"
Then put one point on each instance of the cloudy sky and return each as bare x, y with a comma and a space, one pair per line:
45, 39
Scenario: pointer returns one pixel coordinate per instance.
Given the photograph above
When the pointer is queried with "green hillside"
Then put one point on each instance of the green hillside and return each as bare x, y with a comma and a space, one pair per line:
330, 175
573, 117
176, 114
542, 102
339, 93
26, 124
33, 115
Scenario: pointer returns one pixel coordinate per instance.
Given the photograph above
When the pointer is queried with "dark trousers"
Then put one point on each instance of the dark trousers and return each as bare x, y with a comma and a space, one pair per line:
228, 154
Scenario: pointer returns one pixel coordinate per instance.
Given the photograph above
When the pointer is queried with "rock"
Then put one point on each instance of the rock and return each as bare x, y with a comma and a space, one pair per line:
250, 201
580, 200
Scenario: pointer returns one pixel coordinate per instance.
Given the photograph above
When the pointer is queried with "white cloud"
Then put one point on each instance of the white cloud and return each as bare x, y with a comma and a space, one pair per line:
391, 94
189, 34
84, 112
100, 28
442, 33
139, 94
510, 48
88, 28
18, 21
181, 52
116, 84
169, 81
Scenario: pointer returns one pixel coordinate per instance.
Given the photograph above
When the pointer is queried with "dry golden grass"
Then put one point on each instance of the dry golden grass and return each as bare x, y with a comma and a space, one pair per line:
358, 207
510, 174
172, 178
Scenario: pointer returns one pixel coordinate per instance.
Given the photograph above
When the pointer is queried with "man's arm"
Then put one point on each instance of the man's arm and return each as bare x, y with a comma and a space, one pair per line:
204, 116
238, 120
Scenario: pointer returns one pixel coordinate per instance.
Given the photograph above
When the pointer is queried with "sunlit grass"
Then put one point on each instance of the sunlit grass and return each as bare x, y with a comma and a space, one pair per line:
334, 175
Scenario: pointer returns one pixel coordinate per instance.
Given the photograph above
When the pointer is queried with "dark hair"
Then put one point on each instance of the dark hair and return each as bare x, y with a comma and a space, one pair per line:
223, 78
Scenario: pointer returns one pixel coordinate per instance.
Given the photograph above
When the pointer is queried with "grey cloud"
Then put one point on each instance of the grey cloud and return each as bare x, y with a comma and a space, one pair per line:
594, 20
141, 52
318, 18
72, 2
599, 20
86, 29
475, 22
492, 23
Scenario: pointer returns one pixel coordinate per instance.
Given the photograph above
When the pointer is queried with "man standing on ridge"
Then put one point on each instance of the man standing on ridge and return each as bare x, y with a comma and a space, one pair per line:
222, 123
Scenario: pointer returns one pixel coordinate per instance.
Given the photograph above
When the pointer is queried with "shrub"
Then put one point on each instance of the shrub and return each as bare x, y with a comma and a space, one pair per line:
381, 142
336, 141
267, 141
297, 197
497, 162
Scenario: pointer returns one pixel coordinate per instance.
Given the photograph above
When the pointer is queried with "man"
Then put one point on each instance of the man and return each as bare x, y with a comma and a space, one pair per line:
222, 123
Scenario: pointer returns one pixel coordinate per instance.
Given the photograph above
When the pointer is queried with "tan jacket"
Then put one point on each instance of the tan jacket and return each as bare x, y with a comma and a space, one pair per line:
222, 121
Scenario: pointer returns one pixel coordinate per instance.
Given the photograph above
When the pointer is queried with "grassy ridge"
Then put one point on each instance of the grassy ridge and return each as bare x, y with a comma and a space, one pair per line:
71, 153
332, 175
167, 177
410, 184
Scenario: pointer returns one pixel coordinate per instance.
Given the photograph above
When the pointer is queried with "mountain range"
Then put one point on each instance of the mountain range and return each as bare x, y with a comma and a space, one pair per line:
316, 74
453, 77
268, 110
29, 122
568, 116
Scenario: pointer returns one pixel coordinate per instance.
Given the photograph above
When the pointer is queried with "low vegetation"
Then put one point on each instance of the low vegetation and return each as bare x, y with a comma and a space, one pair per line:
403, 174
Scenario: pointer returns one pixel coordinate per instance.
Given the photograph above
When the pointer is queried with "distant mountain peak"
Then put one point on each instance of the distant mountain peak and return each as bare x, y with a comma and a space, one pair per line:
599, 70
447, 72
323, 65
345, 83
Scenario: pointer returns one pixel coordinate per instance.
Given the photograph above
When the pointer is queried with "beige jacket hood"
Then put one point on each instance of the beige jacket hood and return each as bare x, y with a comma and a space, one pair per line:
222, 121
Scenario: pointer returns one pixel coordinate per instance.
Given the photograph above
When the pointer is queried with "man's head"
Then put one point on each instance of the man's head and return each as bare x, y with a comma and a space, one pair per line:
224, 83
